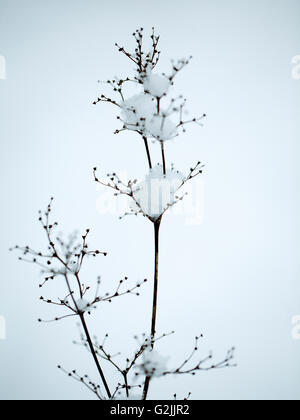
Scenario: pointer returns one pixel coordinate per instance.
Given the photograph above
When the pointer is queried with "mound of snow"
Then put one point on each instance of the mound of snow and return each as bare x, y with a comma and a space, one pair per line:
161, 128
83, 305
154, 364
137, 110
123, 397
157, 85
158, 191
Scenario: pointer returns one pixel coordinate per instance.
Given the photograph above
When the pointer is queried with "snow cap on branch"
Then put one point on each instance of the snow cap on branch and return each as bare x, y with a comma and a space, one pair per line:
136, 111
157, 191
83, 305
161, 128
156, 84
153, 365
144, 112
132, 397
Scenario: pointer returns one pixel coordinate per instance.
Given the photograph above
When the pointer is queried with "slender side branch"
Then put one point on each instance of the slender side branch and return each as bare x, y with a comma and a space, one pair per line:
85, 380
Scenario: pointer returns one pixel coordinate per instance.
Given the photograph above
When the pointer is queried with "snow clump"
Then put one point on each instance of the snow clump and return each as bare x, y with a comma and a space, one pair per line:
161, 128
136, 111
157, 191
157, 85
153, 365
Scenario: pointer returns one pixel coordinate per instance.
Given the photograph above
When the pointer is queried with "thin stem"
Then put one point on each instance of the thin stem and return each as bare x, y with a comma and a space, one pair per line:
89, 340
163, 157
126, 385
154, 312
162, 143
157, 225
158, 105
148, 152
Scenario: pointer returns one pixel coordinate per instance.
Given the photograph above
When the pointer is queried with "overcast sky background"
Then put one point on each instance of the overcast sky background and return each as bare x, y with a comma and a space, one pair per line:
234, 277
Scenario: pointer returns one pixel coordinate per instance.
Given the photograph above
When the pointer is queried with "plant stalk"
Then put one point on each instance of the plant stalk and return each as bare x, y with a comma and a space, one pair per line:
163, 157
148, 152
126, 385
157, 225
